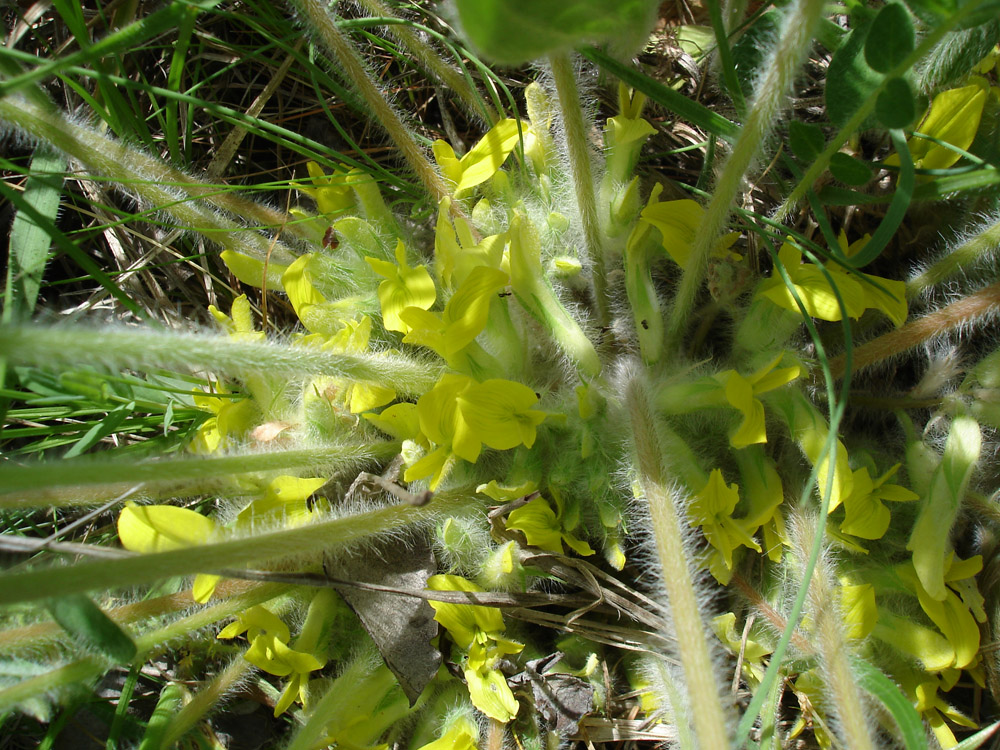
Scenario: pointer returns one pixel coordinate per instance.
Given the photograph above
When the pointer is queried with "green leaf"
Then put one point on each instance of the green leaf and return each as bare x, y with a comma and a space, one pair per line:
872, 680
890, 38
515, 32
849, 79
896, 106
806, 140
849, 170
29, 238
82, 619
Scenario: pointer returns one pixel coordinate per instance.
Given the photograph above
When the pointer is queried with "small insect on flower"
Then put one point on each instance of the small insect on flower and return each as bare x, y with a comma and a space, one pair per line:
330, 239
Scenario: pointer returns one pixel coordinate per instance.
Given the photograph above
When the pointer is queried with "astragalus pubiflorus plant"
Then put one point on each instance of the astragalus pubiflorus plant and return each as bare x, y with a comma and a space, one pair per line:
725, 448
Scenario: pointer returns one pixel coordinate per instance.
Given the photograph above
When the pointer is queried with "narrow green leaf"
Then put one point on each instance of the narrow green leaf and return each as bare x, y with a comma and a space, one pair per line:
806, 140
121, 710
685, 108
101, 430
30, 237
726, 58
82, 619
897, 208
131, 36
167, 705
872, 680
896, 106
849, 170
890, 38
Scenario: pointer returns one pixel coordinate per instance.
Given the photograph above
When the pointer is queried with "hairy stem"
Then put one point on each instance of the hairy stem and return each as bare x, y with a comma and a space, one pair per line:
156, 184
834, 654
90, 667
428, 58
986, 241
188, 472
316, 17
578, 148
268, 547
793, 43
708, 716
136, 349
961, 313
204, 700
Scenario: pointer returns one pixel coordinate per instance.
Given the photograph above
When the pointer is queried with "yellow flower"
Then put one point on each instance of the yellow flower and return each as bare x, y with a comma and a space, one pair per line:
753, 653
232, 418
253, 272
955, 614
456, 257
483, 159
866, 515
742, 392
351, 338
404, 287
478, 630
764, 493
711, 510
954, 118
459, 415
284, 499
464, 316
543, 528
161, 528
269, 651
332, 193
857, 290
678, 223
461, 734
240, 326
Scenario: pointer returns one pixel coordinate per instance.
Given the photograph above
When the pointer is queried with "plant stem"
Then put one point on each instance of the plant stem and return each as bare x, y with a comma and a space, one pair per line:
204, 699
42, 633
155, 183
977, 246
965, 311
834, 652
149, 644
123, 348
780, 71
474, 105
316, 18
179, 472
578, 149
704, 695
268, 547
